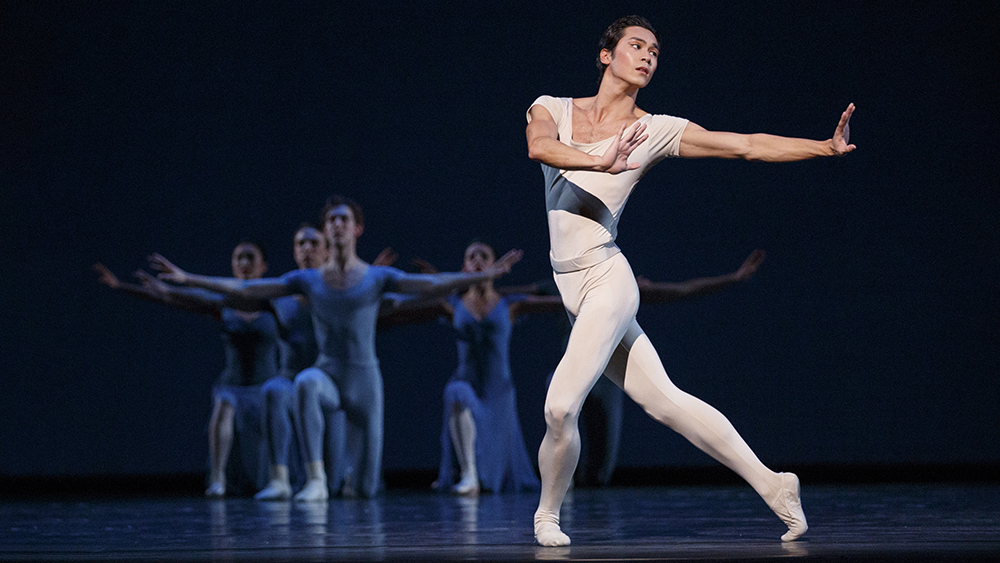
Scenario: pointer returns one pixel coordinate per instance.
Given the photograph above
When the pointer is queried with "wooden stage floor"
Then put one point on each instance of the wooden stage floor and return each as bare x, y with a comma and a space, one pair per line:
904, 522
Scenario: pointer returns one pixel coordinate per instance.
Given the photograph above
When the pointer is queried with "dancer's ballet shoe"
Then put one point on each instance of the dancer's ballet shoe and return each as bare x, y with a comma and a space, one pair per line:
548, 533
788, 507
314, 491
275, 490
466, 488
216, 489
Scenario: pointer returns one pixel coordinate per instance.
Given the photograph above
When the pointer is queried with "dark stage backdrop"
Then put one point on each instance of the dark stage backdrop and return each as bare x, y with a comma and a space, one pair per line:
869, 335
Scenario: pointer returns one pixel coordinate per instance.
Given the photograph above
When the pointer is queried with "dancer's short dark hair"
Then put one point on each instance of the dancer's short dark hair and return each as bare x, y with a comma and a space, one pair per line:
482, 241
254, 243
614, 33
308, 225
337, 201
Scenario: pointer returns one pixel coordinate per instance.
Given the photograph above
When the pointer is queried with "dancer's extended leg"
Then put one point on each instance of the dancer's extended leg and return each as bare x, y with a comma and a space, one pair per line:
637, 367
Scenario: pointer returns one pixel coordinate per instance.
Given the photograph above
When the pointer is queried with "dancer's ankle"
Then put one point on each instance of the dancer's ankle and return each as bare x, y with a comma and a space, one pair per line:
315, 471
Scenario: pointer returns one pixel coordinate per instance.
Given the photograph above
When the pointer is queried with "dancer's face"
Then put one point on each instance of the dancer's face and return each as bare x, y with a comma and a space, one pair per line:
248, 262
634, 58
310, 248
478, 257
340, 227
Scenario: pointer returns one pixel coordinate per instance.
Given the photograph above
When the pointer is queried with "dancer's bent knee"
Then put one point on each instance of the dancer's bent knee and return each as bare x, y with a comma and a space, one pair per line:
315, 384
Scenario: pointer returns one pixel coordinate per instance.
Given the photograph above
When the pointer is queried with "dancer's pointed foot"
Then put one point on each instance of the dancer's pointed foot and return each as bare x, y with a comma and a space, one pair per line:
788, 507
467, 487
216, 489
275, 490
547, 531
314, 491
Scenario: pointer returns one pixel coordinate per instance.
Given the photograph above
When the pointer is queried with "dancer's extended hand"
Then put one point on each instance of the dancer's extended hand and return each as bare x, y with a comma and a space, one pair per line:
842, 135
503, 265
750, 265
151, 282
168, 271
387, 257
106, 276
615, 159
424, 266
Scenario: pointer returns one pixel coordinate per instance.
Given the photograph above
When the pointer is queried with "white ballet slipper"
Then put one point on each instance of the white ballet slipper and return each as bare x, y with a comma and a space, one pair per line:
314, 491
467, 487
547, 531
275, 490
788, 506
216, 489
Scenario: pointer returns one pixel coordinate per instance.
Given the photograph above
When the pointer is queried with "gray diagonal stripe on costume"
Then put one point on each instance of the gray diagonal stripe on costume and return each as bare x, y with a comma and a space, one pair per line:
567, 196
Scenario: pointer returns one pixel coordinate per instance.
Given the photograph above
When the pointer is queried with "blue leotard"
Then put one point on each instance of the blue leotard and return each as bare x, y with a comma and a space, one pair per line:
251, 348
482, 383
298, 337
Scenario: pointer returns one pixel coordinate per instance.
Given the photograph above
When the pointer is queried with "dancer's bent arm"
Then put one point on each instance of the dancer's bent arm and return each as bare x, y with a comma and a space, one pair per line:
544, 146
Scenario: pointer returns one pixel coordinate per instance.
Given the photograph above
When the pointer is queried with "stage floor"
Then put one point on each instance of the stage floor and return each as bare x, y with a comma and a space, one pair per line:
719, 523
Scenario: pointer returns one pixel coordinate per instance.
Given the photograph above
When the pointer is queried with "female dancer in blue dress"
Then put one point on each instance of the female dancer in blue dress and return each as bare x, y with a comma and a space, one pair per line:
345, 295
251, 348
593, 151
480, 410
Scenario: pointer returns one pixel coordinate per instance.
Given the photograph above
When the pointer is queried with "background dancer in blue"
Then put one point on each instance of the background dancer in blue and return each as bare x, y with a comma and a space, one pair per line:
345, 295
480, 409
298, 352
593, 151
251, 346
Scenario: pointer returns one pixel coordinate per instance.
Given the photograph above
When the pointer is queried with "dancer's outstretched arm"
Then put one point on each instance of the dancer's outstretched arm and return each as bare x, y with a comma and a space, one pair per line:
544, 146
107, 277
698, 142
441, 284
200, 300
265, 288
151, 289
397, 312
665, 292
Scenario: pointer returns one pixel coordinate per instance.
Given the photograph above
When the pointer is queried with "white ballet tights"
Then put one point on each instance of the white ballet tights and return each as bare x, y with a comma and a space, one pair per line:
605, 338
463, 436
